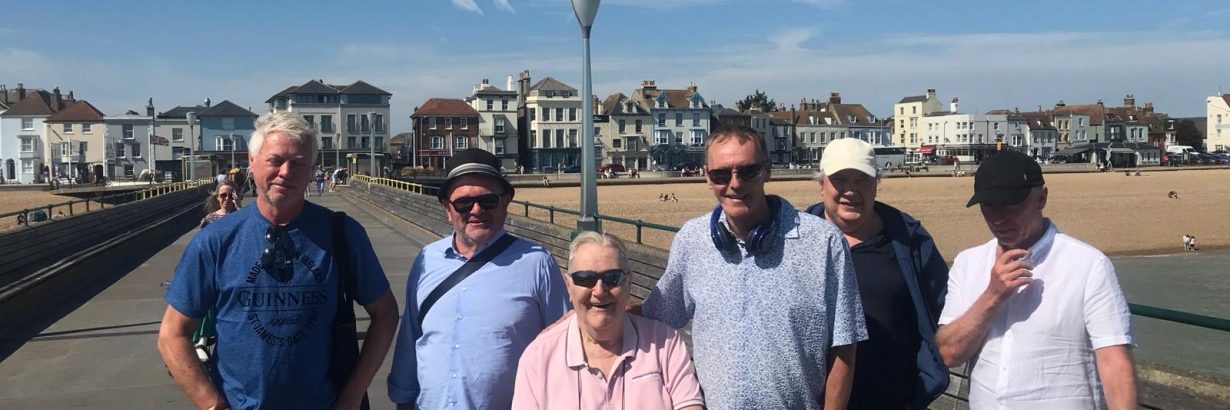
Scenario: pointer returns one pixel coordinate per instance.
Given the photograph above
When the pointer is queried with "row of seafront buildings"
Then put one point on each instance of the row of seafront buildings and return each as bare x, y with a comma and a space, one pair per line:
537, 125
45, 135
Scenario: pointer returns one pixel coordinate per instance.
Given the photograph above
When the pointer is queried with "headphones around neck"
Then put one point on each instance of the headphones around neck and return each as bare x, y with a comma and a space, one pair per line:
761, 239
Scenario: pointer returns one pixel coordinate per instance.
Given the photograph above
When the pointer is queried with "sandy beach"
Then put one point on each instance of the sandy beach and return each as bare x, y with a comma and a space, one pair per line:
1118, 214
18, 200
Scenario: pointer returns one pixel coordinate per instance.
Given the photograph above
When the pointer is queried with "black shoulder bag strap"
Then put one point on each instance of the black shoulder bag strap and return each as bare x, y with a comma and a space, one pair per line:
463, 272
344, 354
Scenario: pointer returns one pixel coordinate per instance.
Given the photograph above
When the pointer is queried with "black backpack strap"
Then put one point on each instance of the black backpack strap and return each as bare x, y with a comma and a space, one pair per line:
345, 279
463, 272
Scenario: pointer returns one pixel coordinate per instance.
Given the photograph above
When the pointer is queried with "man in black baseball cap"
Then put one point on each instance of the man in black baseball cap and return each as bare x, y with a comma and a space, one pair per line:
1005, 178
1032, 296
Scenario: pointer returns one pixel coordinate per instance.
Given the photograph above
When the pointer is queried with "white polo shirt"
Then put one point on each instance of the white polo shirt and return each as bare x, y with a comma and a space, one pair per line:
1038, 353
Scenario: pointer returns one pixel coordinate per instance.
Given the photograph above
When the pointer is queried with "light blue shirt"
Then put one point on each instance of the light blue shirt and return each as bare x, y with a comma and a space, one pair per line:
465, 355
763, 324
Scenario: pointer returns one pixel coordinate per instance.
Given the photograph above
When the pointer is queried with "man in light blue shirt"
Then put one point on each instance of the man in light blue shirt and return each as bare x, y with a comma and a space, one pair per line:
770, 291
465, 352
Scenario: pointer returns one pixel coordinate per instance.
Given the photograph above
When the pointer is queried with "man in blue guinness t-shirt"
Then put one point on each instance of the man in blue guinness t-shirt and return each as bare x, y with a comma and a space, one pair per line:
270, 274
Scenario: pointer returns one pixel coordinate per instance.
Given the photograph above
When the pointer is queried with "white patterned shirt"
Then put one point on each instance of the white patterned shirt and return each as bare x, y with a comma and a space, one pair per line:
763, 324
1038, 353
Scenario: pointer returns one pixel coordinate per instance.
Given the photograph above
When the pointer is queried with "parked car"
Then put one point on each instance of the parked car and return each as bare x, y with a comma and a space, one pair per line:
572, 169
613, 167
548, 170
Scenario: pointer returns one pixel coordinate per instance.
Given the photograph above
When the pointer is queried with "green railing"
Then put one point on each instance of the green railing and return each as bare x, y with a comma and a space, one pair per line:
1192, 319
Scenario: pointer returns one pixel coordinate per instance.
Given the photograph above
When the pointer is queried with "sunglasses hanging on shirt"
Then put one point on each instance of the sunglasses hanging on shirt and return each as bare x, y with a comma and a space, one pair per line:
276, 259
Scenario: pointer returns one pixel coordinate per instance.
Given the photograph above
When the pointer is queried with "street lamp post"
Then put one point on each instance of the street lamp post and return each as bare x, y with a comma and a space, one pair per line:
371, 145
149, 108
191, 146
586, 11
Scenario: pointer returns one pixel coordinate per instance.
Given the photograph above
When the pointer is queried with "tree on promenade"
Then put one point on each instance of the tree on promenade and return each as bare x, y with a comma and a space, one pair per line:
756, 99
1186, 133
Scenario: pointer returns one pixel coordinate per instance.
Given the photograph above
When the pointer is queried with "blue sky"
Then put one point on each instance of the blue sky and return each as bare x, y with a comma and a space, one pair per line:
1021, 54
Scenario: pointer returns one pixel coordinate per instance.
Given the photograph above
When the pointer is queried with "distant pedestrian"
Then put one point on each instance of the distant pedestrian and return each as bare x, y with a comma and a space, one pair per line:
1187, 242
222, 202
546, 181
1173, 195
318, 178
1193, 243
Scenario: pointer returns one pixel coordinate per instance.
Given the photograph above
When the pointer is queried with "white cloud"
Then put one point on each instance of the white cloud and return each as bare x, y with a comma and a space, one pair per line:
792, 39
503, 5
468, 5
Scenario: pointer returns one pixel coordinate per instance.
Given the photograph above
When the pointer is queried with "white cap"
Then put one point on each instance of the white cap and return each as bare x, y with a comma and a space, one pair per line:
848, 153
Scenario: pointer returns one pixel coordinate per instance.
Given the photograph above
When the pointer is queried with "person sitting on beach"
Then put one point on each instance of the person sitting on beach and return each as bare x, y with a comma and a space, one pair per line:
546, 182
1033, 297
1187, 242
674, 198
1173, 195
662, 197
1193, 243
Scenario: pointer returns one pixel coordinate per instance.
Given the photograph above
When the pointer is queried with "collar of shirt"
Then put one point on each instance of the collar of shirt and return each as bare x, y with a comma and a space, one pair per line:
1040, 249
576, 352
451, 250
787, 217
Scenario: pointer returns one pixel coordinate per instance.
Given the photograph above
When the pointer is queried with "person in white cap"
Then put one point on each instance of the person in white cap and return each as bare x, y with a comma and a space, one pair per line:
901, 278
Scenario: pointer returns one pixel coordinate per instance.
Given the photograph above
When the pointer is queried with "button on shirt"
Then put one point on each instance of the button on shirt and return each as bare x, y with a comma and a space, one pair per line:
1039, 350
653, 371
465, 355
762, 324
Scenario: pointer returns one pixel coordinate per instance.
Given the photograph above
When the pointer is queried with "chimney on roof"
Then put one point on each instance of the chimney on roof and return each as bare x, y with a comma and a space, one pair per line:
1149, 107
1129, 101
149, 107
953, 106
649, 85
70, 96
834, 98
1100, 102
509, 84
1061, 104
1016, 110
4, 93
59, 101
930, 93
207, 102
691, 86
523, 90
21, 92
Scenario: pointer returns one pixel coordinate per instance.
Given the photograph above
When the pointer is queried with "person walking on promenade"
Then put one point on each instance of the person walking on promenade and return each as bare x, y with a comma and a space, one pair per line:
269, 272
1039, 312
902, 280
602, 349
770, 291
318, 178
474, 299
222, 202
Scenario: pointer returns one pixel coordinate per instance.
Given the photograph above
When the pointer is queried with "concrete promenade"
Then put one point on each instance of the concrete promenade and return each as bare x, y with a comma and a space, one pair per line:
104, 354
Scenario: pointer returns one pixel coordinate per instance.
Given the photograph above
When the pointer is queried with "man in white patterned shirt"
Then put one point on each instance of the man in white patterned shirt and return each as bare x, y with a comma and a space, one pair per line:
770, 291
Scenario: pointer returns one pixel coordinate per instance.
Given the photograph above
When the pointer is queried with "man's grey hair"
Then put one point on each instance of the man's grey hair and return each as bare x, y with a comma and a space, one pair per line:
600, 239
287, 123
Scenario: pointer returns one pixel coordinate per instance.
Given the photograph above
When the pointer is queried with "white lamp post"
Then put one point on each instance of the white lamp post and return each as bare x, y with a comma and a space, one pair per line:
149, 108
586, 11
191, 146
371, 145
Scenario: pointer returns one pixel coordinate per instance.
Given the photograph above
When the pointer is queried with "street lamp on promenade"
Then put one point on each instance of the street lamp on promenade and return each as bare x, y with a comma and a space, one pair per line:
191, 146
149, 108
586, 11
371, 145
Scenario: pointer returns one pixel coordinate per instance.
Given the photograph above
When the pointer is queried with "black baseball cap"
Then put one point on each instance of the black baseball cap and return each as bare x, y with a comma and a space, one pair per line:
1005, 179
472, 161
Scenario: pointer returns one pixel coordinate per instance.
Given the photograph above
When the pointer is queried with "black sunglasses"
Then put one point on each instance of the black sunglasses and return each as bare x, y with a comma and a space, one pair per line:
465, 204
588, 278
225, 195
746, 173
275, 259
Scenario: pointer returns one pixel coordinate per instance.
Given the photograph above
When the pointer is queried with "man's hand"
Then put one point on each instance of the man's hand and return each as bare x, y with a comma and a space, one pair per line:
1009, 273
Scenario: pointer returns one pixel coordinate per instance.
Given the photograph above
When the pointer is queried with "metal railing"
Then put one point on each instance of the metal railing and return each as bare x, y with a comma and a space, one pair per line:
1187, 318
25, 217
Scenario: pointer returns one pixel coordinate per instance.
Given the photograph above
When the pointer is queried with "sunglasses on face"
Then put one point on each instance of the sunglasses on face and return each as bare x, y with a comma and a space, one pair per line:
465, 204
275, 259
746, 173
588, 278
226, 195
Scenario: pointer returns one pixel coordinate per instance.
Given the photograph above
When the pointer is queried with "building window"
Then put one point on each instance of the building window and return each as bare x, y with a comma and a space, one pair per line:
365, 124
228, 124
459, 142
698, 137
572, 138
559, 139
533, 114
572, 114
136, 150
617, 143
437, 142
431, 123
326, 142
490, 105
503, 105
127, 130
326, 123
546, 114
311, 120
85, 128
678, 119
499, 147
662, 137
638, 126
224, 143
559, 114
352, 123
27, 124
119, 150
695, 119
379, 125
678, 137
380, 143
68, 128
351, 142
622, 126
129, 171
365, 141
177, 134
465, 123
661, 119
499, 125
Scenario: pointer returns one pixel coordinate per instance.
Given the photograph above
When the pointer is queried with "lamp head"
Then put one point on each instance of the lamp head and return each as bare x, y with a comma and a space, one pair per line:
586, 11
